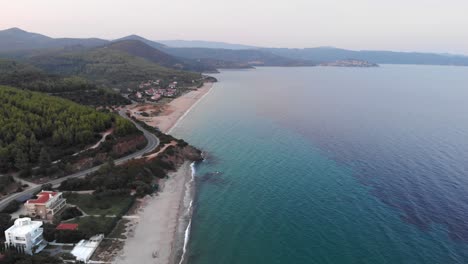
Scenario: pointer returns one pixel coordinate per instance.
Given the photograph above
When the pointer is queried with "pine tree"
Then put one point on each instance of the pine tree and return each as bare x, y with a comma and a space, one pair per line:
33, 148
21, 160
44, 158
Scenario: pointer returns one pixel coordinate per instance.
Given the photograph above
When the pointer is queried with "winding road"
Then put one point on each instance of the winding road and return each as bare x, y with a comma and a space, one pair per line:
153, 142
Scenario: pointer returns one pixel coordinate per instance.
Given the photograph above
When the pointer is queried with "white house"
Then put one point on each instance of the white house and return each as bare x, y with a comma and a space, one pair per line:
26, 234
85, 248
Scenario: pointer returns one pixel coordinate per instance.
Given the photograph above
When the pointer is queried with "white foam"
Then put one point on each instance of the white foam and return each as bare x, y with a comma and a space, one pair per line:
189, 210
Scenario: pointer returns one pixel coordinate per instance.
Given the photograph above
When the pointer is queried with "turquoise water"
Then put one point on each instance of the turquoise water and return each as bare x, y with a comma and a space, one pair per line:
332, 165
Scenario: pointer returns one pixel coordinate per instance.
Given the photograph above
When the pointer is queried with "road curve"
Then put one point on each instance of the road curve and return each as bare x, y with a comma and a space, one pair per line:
153, 142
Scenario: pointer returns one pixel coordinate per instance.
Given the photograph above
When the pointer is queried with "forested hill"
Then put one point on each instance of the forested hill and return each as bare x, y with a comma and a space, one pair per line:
141, 49
15, 39
108, 67
78, 89
26, 76
34, 124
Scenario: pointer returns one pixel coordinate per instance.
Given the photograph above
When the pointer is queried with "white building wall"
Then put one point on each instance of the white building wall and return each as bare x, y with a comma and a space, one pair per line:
27, 234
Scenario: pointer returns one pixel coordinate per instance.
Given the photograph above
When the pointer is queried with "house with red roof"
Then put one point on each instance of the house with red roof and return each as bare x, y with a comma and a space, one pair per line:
67, 226
46, 205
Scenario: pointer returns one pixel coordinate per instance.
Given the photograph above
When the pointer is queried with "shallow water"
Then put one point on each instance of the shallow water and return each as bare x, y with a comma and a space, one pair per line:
332, 165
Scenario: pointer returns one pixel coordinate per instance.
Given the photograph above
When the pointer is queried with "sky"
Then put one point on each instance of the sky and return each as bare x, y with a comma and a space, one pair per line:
400, 25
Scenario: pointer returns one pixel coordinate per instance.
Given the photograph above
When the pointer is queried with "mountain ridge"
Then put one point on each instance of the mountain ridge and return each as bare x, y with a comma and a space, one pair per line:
16, 39
239, 56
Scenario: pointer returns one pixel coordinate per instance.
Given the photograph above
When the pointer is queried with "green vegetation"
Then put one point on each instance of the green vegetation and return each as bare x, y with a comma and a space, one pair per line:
77, 89
5, 181
136, 174
26, 76
69, 213
93, 225
138, 47
35, 128
12, 207
163, 138
108, 67
98, 204
120, 229
5, 223
110, 203
88, 226
99, 97
12, 256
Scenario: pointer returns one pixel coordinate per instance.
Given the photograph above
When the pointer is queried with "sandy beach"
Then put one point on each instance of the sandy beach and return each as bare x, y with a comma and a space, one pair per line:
166, 117
156, 235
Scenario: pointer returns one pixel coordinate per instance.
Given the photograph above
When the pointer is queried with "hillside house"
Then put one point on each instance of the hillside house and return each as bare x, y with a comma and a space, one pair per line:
46, 205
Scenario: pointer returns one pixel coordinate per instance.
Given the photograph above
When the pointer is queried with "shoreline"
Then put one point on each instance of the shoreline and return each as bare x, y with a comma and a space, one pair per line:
167, 116
155, 235
162, 228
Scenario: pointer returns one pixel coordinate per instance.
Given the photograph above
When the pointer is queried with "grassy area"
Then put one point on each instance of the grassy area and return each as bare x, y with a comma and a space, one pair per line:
94, 205
92, 225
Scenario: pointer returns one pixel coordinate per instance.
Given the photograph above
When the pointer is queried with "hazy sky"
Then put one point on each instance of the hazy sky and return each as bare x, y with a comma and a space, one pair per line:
410, 25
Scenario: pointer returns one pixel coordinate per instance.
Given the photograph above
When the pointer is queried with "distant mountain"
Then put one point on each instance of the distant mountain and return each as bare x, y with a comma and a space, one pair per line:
327, 54
151, 43
15, 39
317, 55
204, 44
141, 49
208, 59
206, 56
237, 58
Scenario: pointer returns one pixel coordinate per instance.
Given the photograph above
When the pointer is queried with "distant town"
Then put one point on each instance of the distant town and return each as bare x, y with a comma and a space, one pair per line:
155, 90
350, 63
152, 90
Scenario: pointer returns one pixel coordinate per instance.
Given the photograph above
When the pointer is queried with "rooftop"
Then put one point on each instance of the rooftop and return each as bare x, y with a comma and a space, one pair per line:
85, 248
24, 226
42, 197
65, 226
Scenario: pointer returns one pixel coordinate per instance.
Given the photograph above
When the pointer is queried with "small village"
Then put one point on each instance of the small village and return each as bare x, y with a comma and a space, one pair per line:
154, 90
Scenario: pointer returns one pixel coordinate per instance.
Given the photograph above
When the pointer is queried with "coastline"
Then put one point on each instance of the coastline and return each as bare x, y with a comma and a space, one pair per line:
155, 235
166, 117
160, 231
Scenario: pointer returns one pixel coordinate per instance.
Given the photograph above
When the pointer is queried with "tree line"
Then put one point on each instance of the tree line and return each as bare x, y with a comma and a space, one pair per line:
32, 124
28, 77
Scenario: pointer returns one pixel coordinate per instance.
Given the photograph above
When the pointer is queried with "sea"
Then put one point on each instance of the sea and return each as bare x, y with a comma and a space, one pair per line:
331, 165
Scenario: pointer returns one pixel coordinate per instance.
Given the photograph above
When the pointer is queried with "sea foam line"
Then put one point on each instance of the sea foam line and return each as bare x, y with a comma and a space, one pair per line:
190, 109
189, 209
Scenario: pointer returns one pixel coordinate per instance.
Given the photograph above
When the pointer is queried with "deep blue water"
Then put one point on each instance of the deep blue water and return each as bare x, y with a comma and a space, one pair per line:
332, 165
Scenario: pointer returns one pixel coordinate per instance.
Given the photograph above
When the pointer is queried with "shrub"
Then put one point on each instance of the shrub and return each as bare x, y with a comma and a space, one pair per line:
70, 212
12, 207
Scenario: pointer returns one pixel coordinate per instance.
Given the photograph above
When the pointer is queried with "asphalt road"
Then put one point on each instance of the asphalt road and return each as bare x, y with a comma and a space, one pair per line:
153, 142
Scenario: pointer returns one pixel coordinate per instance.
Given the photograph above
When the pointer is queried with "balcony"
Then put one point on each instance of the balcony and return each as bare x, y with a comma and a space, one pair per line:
37, 234
55, 207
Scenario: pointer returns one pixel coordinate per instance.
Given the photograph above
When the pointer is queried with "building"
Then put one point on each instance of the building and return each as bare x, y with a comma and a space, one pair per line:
46, 206
85, 248
26, 234
67, 226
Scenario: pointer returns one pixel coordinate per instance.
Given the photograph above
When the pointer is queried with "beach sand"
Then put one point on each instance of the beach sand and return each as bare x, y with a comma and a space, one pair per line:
169, 114
157, 237
157, 233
